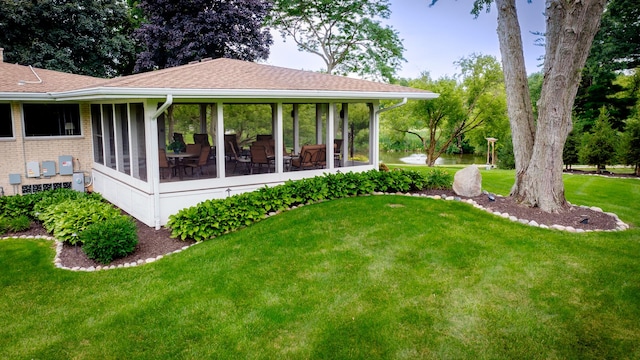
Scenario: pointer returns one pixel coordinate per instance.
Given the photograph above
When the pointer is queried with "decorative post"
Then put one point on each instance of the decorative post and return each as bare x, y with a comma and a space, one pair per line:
491, 152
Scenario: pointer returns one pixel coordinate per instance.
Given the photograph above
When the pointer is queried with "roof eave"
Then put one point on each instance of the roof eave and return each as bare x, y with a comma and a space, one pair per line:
24, 96
104, 93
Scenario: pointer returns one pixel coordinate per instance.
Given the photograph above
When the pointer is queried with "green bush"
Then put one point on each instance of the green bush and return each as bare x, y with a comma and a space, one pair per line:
18, 205
110, 239
438, 179
215, 217
66, 220
20, 223
54, 197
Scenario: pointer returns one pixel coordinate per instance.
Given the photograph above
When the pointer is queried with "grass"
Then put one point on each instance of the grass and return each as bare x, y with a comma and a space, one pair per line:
358, 278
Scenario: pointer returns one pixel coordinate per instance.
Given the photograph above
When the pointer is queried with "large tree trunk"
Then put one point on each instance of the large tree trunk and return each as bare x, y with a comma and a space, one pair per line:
519, 106
571, 27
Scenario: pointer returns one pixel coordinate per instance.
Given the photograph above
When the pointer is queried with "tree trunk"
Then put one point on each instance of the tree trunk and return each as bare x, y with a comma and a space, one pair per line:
571, 27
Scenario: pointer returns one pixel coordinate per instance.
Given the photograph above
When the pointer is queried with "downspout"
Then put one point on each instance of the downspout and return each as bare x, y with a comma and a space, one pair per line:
403, 102
164, 106
376, 153
156, 179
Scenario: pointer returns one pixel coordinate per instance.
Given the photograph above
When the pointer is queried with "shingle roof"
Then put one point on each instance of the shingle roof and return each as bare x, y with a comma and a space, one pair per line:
236, 74
24, 79
215, 77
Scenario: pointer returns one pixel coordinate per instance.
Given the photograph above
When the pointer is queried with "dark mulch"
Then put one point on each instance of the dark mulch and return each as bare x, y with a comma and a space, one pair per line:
152, 243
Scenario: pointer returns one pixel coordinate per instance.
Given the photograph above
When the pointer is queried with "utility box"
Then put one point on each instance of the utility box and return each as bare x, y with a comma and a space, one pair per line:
65, 164
15, 179
77, 182
48, 168
33, 169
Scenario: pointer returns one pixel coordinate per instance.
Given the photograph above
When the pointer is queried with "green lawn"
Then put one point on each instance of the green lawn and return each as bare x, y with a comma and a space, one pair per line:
361, 278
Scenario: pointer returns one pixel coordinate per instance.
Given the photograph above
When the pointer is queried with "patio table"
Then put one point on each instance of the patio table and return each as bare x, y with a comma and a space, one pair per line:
179, 161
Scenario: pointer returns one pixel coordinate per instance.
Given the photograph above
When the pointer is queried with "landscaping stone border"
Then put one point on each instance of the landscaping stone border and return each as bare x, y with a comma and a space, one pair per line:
620, 226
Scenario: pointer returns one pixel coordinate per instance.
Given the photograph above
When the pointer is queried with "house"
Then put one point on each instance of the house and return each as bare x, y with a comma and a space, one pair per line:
65, 130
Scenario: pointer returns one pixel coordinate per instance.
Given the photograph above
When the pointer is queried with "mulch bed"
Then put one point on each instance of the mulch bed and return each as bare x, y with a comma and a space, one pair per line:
152, 243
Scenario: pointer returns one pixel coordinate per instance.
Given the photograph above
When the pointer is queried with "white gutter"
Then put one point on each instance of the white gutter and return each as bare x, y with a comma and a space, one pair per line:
104, 93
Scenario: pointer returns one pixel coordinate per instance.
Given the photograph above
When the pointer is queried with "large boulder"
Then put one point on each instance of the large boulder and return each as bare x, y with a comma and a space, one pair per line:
468, 182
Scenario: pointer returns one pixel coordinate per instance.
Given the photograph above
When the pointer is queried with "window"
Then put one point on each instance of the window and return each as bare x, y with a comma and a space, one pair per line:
119, 138
51, 119
6, 124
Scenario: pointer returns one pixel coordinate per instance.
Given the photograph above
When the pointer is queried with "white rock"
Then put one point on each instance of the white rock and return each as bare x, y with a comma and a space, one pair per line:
468, 182
449, 198
595, 208
523, 221
150, 260
570, 229
558, 227
579, 230
544, 226
505, 215
513, 218
534, 223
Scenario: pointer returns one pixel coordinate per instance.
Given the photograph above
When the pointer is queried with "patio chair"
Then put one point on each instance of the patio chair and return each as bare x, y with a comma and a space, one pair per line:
311, 156
202, 139
193, 148
201, 163
337, 150
259, 156
238, 158
164, 163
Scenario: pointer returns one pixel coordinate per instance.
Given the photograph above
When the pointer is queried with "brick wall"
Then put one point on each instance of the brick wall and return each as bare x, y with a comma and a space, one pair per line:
18, 151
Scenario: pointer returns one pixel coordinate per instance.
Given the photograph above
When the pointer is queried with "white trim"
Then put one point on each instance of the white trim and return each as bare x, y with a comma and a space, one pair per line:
104, 93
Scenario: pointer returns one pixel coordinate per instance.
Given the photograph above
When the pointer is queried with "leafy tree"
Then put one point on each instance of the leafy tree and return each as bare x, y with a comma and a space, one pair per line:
506, 160
179, 32
570, 151
535, 88
76, 36
538, 144
346, 34
461, 107
616, 47
599, 146
617, 44
630, 151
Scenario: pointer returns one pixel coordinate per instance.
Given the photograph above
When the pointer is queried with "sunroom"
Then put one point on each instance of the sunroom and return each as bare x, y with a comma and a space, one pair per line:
171, 138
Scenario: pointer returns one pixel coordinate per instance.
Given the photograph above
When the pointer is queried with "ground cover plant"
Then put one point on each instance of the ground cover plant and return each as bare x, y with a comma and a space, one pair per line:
353, 278
215, 217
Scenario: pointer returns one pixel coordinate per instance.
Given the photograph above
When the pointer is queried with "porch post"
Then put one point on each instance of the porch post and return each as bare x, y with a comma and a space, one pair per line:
319, 123
330, 135
374, 156
218, 119
203, 118
153, 161
296, 129
278, 138
345, 134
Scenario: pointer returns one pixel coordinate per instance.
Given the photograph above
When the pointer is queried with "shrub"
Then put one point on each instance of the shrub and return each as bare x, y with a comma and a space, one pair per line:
18, 205
110, 239
438, 179
54, 197
69, 218
215, 217
20, 223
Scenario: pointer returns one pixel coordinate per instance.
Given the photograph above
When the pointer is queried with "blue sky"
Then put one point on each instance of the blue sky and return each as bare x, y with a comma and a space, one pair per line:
435, 37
